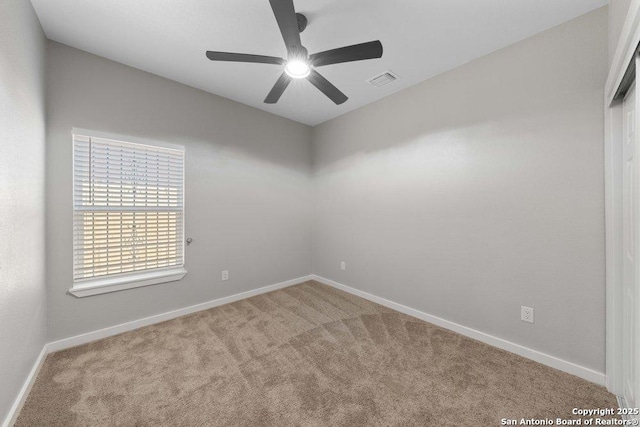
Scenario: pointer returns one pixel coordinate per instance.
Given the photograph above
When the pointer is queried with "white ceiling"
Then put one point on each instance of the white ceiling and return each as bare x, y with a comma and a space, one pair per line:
421, 38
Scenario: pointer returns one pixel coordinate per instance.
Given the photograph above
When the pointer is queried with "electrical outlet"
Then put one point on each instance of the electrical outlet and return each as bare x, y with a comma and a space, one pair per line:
225, 274
343, 266
526, 314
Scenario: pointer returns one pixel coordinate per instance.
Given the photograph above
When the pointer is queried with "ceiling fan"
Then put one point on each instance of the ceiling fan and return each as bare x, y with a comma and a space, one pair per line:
299, 64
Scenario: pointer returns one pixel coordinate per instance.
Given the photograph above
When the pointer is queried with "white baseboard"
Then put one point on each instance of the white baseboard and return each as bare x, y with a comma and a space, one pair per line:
545, 359
12, 416
630, 420
129, 326
51, 347
125, 327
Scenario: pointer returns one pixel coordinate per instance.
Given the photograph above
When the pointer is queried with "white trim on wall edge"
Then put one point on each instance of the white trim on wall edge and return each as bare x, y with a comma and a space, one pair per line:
545, 359
625, 49
12, 416
151, 320
129, 326
622, 403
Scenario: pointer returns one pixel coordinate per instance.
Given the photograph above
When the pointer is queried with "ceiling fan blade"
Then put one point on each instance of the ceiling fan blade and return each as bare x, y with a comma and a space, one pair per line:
356, 52
332, 92
278, 89
243, 57
285, 15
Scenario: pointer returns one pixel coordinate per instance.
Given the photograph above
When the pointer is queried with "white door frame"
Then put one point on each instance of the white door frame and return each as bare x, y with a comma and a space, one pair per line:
624, 55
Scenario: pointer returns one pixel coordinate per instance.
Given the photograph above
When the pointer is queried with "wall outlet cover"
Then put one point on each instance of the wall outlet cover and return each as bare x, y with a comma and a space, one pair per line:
526, 314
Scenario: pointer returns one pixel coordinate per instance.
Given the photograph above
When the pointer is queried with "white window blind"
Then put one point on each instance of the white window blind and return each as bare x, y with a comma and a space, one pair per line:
128, 208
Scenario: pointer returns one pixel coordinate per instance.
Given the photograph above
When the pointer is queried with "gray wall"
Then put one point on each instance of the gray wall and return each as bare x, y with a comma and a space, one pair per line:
22, 149
478, 191
617, 14
248, 180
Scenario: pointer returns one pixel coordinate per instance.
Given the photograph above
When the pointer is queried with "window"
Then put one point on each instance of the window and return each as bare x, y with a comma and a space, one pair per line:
128, 214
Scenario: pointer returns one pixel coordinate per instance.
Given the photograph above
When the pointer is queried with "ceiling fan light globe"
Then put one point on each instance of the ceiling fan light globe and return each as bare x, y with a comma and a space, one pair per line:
297, 69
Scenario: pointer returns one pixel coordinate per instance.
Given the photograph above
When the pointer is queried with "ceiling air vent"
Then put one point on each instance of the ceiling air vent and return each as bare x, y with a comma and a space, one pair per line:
383, 79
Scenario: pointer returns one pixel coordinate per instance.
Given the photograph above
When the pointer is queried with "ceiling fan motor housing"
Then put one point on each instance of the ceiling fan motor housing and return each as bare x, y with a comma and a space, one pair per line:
299, 53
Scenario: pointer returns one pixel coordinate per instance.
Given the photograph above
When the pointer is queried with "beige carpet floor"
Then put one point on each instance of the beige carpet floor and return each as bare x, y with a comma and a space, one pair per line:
305, 355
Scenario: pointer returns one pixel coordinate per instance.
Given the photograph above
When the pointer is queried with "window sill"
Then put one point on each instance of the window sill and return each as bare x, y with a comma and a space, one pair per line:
114, 284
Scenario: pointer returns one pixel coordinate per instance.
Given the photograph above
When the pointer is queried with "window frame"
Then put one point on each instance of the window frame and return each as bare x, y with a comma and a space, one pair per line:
117, 282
